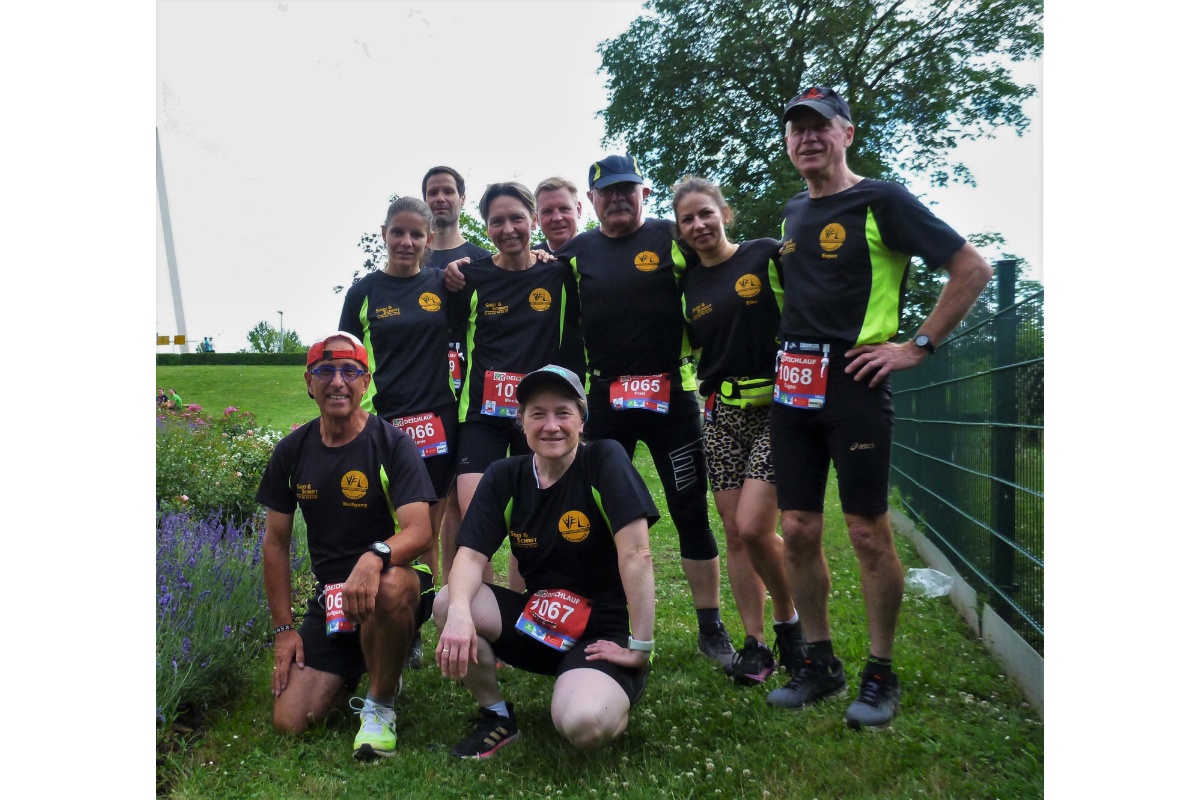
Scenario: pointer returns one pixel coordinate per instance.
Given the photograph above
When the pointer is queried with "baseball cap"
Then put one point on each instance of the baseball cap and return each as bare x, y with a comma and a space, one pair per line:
321, 352
550, 375
614, 169
821, 99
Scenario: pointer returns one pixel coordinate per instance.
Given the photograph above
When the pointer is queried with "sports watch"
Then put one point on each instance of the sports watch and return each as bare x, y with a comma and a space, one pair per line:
922, 341
638, 644
384, 552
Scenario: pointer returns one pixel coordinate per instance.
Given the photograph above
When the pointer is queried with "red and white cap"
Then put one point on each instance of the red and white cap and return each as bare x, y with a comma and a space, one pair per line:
321, 351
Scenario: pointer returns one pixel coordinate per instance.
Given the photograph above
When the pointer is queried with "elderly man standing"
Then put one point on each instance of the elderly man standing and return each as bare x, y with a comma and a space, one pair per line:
847, 243
641, 379
365, 497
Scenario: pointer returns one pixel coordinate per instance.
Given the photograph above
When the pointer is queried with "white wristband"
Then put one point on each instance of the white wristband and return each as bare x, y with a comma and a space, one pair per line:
637, 644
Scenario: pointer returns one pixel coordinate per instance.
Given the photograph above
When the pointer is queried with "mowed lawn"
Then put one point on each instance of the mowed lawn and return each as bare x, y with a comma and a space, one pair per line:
963, 731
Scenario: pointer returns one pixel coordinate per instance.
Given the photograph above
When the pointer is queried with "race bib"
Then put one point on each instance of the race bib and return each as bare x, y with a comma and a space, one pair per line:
651, 392
335, 614
800, 380
500, 393
555, 617
708, 407
456, 369
426, 431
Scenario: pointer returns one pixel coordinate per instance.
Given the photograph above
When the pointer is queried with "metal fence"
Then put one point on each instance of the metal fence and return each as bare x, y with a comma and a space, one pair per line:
968, 452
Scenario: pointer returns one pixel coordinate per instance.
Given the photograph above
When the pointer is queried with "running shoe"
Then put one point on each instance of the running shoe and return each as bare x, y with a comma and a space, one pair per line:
716, 645
753, 664
376, 731
790, 646
492, 732
878, 699
811, 683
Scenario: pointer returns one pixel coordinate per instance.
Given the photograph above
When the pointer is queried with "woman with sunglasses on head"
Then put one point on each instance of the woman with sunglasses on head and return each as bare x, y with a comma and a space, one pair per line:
520, 312
400, 315
731, 303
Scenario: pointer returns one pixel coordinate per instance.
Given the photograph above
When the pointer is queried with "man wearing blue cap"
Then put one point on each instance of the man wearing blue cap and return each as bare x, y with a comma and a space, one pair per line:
847, 243
641, 379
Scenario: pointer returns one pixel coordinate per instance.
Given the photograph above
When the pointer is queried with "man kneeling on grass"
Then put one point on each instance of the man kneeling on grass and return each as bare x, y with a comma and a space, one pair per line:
365, 497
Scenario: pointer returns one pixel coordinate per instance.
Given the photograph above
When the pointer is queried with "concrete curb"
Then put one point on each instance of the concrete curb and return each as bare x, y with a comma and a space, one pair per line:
1021, 661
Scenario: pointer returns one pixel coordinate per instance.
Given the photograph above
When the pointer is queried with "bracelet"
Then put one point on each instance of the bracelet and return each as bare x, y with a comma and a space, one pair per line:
282, 628
642, 646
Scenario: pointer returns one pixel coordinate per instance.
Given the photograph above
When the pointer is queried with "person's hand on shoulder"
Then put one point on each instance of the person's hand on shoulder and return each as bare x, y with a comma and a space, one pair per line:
453, 278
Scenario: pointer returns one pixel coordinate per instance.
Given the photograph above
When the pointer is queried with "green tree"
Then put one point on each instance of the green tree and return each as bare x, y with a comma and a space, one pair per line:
698, 86
264, 338
371, 243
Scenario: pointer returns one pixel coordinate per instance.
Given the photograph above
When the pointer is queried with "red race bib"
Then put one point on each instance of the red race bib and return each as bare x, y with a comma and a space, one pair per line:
426, 431
800, 380
555, 617
456, 369
335, 615
500, 393
651, 392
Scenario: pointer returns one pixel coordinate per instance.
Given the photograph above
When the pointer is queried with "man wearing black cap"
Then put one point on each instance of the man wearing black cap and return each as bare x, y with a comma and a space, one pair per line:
365, 497
641, 379
847, 242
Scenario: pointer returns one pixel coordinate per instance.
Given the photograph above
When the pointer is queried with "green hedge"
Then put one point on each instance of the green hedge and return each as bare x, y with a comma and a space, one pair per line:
243, 359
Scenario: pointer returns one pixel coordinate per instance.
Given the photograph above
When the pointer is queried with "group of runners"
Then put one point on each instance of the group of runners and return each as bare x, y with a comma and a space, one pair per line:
471, 398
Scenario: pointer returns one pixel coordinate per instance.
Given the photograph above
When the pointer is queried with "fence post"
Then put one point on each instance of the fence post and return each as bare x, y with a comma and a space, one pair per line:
1004, 437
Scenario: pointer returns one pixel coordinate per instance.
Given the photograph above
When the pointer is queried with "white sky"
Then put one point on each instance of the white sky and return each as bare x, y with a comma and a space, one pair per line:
285, 126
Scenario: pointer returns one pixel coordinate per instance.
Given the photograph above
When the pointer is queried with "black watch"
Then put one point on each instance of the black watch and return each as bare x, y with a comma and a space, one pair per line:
922, 341
384, 552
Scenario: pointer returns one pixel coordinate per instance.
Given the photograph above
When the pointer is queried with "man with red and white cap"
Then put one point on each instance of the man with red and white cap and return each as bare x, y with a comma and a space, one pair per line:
847, 244
365, 497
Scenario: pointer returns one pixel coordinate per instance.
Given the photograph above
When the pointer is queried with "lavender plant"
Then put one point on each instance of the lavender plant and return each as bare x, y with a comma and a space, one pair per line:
211, 609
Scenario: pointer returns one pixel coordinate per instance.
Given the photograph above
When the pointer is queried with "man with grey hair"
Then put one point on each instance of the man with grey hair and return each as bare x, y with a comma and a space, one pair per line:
847, 243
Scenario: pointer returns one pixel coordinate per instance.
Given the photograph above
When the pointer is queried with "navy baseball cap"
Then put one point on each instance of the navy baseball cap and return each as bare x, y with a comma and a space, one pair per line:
614, 169
823, 100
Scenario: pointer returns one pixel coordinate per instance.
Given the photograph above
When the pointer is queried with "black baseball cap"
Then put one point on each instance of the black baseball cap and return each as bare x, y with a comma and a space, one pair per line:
550, 375
823, 100
614, 169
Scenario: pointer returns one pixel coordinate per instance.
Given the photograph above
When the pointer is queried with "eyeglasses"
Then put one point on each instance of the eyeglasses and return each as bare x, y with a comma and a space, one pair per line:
624, 189
325, 373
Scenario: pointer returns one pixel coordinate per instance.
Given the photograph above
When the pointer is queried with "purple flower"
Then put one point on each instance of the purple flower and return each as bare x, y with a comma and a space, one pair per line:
228, 631
230, 409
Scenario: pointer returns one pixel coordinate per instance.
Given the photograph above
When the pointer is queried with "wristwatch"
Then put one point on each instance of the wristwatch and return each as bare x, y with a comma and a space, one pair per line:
384, 552
922, 341
638, 644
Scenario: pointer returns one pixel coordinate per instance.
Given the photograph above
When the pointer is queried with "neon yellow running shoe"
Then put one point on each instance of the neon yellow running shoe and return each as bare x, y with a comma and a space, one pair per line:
377, 732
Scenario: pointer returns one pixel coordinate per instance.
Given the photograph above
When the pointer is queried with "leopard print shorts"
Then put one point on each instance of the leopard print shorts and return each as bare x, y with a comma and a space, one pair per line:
737, 446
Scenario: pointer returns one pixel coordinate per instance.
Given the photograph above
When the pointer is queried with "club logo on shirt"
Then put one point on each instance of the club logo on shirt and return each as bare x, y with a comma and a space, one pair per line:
387, 311
305, 491
493, 308
354, 484
646, 261
574, 526
788, 247
430, 301
539, 299
700, 310
748, 286
833, 236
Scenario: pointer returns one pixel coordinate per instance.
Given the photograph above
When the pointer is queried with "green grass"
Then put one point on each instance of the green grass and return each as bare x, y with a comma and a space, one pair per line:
276, 395
963, 730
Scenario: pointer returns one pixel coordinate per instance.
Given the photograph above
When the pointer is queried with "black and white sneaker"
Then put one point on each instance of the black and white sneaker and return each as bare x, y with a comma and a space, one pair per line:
753, 664
492, 732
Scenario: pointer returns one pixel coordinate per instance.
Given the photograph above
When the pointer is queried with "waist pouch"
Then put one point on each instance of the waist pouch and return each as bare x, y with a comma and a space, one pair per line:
746, 392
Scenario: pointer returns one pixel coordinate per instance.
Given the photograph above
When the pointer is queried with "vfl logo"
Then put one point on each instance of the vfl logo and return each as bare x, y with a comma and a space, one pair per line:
354, 484
539, 299
646, 261
832, 237
863, 446
748, 286
430, 301
574, 526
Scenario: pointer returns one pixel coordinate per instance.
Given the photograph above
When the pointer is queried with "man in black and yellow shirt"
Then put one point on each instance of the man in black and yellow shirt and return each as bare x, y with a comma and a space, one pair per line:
641, 381
847, 242
365, 497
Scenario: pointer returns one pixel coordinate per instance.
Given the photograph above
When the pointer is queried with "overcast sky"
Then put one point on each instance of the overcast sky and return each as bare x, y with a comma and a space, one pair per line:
285, 126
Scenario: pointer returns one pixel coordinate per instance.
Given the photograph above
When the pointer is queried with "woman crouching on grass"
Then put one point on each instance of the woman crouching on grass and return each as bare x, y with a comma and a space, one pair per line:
577, 517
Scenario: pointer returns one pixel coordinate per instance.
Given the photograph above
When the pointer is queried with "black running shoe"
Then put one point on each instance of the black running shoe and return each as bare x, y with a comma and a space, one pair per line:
814, 681
492, 732
753, 664
790, 646
716, 645
878, 699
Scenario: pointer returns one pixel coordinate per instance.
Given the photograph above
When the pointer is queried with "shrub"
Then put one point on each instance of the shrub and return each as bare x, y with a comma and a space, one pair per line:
209, 465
